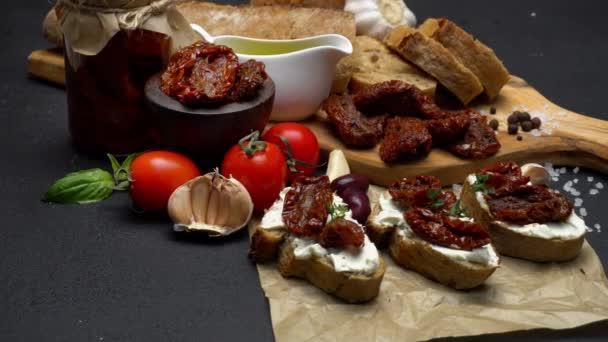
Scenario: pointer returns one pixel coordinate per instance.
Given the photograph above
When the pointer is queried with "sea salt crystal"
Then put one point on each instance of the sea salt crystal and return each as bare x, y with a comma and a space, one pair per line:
599, 185
589, 179
575, 180
563, 170
575, 192
576, 169
535, 132
578, 202
533, 14
594, 192
555, 179
597, 226
583, 212
568, 186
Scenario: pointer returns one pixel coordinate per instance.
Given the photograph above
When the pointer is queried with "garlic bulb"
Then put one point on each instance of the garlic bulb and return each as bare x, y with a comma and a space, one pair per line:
378, 17
212, 204
537, 173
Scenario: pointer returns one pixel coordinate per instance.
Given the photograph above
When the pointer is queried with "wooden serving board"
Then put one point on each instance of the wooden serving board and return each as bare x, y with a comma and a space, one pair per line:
568, 138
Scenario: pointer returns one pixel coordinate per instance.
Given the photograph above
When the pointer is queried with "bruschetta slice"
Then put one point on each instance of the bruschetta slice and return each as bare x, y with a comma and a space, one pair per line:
526, 220
427, 232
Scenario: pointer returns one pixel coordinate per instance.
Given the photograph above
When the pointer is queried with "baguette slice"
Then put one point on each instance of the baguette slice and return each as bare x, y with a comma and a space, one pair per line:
511, 243
373, 62
430, 56
417, 255
352, 288
268, 22
472, 53
337, 4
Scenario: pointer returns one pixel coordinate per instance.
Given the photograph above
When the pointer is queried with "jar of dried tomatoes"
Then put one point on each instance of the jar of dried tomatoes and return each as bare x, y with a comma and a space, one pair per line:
111, 48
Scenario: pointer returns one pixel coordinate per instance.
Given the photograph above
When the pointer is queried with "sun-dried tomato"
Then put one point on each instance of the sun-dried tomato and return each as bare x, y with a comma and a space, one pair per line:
396, 98
442, 230
201, 74
341, 233
413, 192
504, 178
445, 201
405, 138
478, 142
305, 209
249, 79
448, 128
354, 128
530, 204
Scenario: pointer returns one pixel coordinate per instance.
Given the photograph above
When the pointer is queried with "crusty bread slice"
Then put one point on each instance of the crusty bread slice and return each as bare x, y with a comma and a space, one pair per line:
352, 288
511, 243
430, 56
337, 4
417, 255
380, 235
373, 62
472, 53
269, 22
265, 244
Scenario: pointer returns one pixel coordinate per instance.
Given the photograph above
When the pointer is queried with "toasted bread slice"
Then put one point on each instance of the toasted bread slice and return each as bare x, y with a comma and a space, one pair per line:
269, 22
418, 255
472, 53
337, 4
352, 288
373, 62
265, 244
380, 235
515, 244
430, 56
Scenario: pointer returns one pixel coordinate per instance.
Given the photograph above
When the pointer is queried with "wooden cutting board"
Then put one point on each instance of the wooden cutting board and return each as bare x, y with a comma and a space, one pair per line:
567, 138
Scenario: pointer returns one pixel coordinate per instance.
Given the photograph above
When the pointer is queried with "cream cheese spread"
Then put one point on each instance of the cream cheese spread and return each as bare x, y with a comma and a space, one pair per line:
572, 228
391, 214
364, 260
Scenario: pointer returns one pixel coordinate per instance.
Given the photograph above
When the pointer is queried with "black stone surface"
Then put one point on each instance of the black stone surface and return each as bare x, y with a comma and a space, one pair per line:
100, 273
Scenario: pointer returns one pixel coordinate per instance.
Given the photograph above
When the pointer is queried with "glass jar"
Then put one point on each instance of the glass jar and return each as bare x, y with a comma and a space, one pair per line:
112, 47
106, 103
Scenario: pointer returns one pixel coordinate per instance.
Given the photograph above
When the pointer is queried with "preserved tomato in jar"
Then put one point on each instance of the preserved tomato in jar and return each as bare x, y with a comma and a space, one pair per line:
112, 47
106, 103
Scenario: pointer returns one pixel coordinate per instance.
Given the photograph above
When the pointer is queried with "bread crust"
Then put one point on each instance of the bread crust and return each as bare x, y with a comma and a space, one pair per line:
419, 256
430, 56
380, 235
373, 62
511, 243
472, 53
337, 4
265, 244
352, 288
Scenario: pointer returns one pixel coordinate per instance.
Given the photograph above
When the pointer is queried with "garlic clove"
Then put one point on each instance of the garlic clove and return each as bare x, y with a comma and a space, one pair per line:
337, 165
376, 18
537, 173
212, 204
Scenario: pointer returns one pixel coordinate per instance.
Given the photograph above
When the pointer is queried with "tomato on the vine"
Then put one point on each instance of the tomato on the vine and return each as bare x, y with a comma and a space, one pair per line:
154, 177
303, 147
260, 167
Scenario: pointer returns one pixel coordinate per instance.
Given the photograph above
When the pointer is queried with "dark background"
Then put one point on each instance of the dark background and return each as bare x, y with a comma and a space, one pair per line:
100, 273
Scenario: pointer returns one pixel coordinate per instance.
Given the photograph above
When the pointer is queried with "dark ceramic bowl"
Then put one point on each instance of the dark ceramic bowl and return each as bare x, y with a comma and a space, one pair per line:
206, 134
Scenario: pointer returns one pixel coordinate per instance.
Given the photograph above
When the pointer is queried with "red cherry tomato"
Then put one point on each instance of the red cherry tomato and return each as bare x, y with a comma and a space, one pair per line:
155, 175
303, 143
261, 167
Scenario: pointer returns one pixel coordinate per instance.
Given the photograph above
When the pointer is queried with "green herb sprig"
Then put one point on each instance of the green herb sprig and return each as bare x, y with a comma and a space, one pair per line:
337, 211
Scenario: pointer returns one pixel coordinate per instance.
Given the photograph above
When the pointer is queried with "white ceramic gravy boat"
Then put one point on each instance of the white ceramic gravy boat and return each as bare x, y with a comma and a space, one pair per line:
303, 69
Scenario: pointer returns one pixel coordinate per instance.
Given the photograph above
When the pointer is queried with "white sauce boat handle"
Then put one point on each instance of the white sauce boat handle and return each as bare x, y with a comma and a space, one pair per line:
201, 31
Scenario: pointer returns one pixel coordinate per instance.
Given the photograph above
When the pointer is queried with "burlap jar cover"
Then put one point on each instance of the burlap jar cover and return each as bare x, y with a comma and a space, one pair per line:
88, 25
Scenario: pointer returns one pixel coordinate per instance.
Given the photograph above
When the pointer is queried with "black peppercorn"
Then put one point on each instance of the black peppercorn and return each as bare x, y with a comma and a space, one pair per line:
494, 124
524, 116
536, 123
513, 118
527, 126
520, 138
492, 110
513, 128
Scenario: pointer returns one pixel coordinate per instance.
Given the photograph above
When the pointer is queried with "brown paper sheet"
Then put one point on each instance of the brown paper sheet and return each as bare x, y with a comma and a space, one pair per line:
520, 295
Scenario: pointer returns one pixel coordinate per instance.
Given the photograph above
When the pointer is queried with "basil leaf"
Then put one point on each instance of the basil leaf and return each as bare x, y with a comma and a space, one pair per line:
81, 187
437, 205
114, 162
432, 195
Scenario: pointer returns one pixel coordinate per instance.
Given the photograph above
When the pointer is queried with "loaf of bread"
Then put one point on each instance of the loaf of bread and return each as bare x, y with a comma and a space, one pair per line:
372, 62
472, 53
269, 22
432, 57
337, 4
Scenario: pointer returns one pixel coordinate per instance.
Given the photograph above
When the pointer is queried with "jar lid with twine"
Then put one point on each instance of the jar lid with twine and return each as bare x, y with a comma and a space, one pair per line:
88, 25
